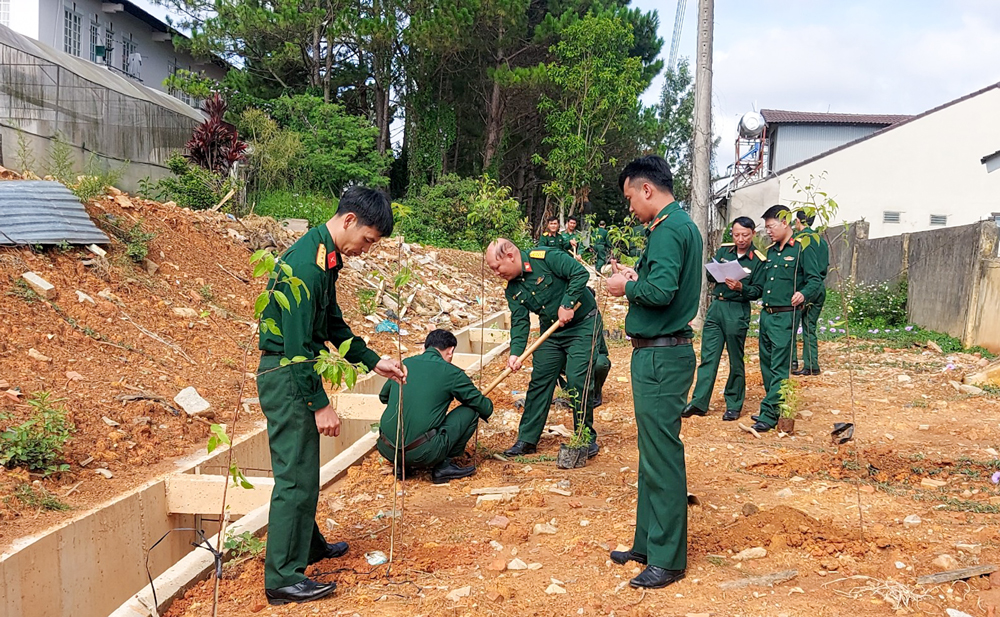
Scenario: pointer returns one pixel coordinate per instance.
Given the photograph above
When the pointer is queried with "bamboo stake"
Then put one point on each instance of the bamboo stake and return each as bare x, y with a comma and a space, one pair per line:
527, 354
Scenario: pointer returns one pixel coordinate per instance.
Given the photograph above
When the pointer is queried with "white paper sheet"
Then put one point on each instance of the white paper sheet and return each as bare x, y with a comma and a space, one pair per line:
726, 270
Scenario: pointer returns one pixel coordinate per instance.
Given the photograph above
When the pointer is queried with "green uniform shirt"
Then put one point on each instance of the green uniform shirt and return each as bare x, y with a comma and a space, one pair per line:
665, 298
549, 279
432, 383
600, 237
568, 241
753, 262
553, 241
307, 327
790, 269
822, 248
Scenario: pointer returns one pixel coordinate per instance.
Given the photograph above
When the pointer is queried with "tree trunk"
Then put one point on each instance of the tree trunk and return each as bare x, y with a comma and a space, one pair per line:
494, 124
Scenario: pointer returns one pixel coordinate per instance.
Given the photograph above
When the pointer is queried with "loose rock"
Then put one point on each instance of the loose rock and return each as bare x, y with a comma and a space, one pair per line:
912, 521
192, 402
34, 354
40, 286
500, 522
517, 564
104, 472
554, 589
945, 562
544, 528
461, 592
757, 552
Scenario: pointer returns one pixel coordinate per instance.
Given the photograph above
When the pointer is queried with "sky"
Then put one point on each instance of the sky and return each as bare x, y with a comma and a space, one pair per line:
847, 56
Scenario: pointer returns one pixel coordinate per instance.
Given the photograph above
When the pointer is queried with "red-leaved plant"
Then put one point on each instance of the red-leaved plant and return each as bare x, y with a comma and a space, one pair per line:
215, 144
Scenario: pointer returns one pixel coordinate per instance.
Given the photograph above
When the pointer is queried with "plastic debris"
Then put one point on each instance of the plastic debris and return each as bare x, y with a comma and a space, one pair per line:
387, 326
376, 558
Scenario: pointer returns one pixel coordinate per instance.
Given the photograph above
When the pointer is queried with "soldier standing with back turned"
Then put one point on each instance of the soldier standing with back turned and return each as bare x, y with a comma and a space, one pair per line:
809, 317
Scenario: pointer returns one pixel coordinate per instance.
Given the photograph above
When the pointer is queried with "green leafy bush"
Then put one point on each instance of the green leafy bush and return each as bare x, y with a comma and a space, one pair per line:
95, 180
881, 305
287, 204
272, 152
244, 545
191, 186
37, 443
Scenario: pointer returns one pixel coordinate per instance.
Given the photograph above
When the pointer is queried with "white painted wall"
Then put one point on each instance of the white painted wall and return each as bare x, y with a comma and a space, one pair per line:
44, 20
932, 165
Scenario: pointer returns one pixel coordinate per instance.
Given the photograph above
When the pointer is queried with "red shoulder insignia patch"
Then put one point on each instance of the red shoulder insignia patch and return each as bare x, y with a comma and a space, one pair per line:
527, 267
332, 260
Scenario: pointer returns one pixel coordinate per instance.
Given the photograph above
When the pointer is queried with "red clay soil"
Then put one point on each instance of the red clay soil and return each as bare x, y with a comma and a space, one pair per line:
131, 342
779, 493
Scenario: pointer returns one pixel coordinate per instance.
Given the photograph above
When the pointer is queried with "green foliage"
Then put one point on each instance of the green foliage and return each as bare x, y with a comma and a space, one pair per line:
60, 161
789, 399
196, 85
595, 82
243, 545
25, 156
439, 213
135, 239
191, 186
205, 291
673, 128
340, 147
272, 151
21, 289
96, 179
285, 203
366, 301
38, 497
881, 305
37, 443
627, 240
494, 214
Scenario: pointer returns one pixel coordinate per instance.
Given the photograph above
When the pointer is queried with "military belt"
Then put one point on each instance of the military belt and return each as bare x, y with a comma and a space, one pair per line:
660, 341
779, 309
416, 443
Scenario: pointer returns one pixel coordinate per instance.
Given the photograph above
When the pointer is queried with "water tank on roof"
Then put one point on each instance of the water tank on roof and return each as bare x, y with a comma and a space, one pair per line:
751, 125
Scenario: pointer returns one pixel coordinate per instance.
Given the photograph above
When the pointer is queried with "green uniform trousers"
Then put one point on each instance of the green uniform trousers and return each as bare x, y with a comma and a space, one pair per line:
661, 379
601, 259
776, 342
572, 347
726, 325
293, 538
449, 442
809, 319
602, 367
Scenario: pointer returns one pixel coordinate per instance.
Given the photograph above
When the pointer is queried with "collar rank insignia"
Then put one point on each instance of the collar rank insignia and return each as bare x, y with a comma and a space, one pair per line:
527, 267
656, 222
332, 261
321, 256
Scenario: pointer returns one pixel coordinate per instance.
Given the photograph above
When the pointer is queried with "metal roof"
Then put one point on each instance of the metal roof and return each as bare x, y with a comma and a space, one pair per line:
41, 212
779, 116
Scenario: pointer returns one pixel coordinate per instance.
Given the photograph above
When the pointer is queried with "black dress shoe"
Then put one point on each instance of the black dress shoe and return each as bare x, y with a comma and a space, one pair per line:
592, 450
598, 400
795, 366
691, 410
761, 427
801, 372
755, 418
305, 591
731, 414
520, 449
333, 550
448, 471
655, 577
817, 371
623, 557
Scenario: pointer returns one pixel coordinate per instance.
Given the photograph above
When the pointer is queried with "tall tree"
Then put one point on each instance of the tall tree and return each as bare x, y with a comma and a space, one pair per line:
595, 83
673, 129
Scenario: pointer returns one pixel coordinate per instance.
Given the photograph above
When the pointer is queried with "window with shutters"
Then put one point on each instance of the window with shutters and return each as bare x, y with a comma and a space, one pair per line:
95, 39
128, 48
939, 219
890, 216
109, 45
72, 22
4, 12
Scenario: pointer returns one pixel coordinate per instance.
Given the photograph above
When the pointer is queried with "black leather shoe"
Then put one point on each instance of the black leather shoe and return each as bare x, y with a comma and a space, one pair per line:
655, 577
761, 427
333, 550
795, 366
691, 410
801, 372
520, 449
817, 371
593, 450
448, 471
623, 557
305, 591
731, 414
598, 400
755, 418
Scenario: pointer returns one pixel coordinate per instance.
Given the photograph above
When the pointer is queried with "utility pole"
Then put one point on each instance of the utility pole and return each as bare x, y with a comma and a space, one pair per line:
701, 181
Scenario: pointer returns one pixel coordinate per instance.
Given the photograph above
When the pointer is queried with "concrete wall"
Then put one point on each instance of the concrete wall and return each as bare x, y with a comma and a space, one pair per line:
986, 325
931, 165
880, 260
843, 241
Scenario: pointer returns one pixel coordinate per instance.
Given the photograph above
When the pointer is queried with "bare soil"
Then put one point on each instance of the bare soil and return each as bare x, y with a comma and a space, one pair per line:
832, 514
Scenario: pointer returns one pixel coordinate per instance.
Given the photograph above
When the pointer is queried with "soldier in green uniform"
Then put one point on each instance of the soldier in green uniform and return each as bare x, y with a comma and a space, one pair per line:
726, 324
292, 397
551, 238
601, 245
571, 237
433, 435
549, 283
791, 279
809, 317
663, 292
602, 366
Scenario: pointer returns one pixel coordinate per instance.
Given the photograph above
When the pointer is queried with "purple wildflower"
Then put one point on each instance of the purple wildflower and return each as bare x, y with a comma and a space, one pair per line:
996, 478
908, 328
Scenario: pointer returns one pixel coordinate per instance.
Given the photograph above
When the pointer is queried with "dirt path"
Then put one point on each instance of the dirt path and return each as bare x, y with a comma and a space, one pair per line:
826, 513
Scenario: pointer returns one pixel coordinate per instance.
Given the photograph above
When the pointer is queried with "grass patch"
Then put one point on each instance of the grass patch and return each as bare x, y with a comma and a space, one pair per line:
527, 460
38, 498
285, 204
21, 289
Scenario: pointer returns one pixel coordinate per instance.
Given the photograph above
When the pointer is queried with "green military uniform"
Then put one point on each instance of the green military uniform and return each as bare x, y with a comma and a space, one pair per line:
661, 303
788, 269
551, 279
601, 247
553, 241
602, 367
809, 317
726, 324
290, 395
432, 383
569, 238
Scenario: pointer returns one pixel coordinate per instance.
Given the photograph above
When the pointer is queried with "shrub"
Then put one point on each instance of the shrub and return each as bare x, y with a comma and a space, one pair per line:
881, 305
37, 443
135, 239
244, 544
215, 145
287, 204
272, 150
190, 187
96, 180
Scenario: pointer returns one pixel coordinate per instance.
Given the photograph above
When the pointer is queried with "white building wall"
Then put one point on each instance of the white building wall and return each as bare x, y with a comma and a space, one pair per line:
930, 166
158, 57
23, 17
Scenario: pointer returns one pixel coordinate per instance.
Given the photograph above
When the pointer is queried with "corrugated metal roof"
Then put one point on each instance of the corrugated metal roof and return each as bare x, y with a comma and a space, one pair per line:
40, 212
779, 116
